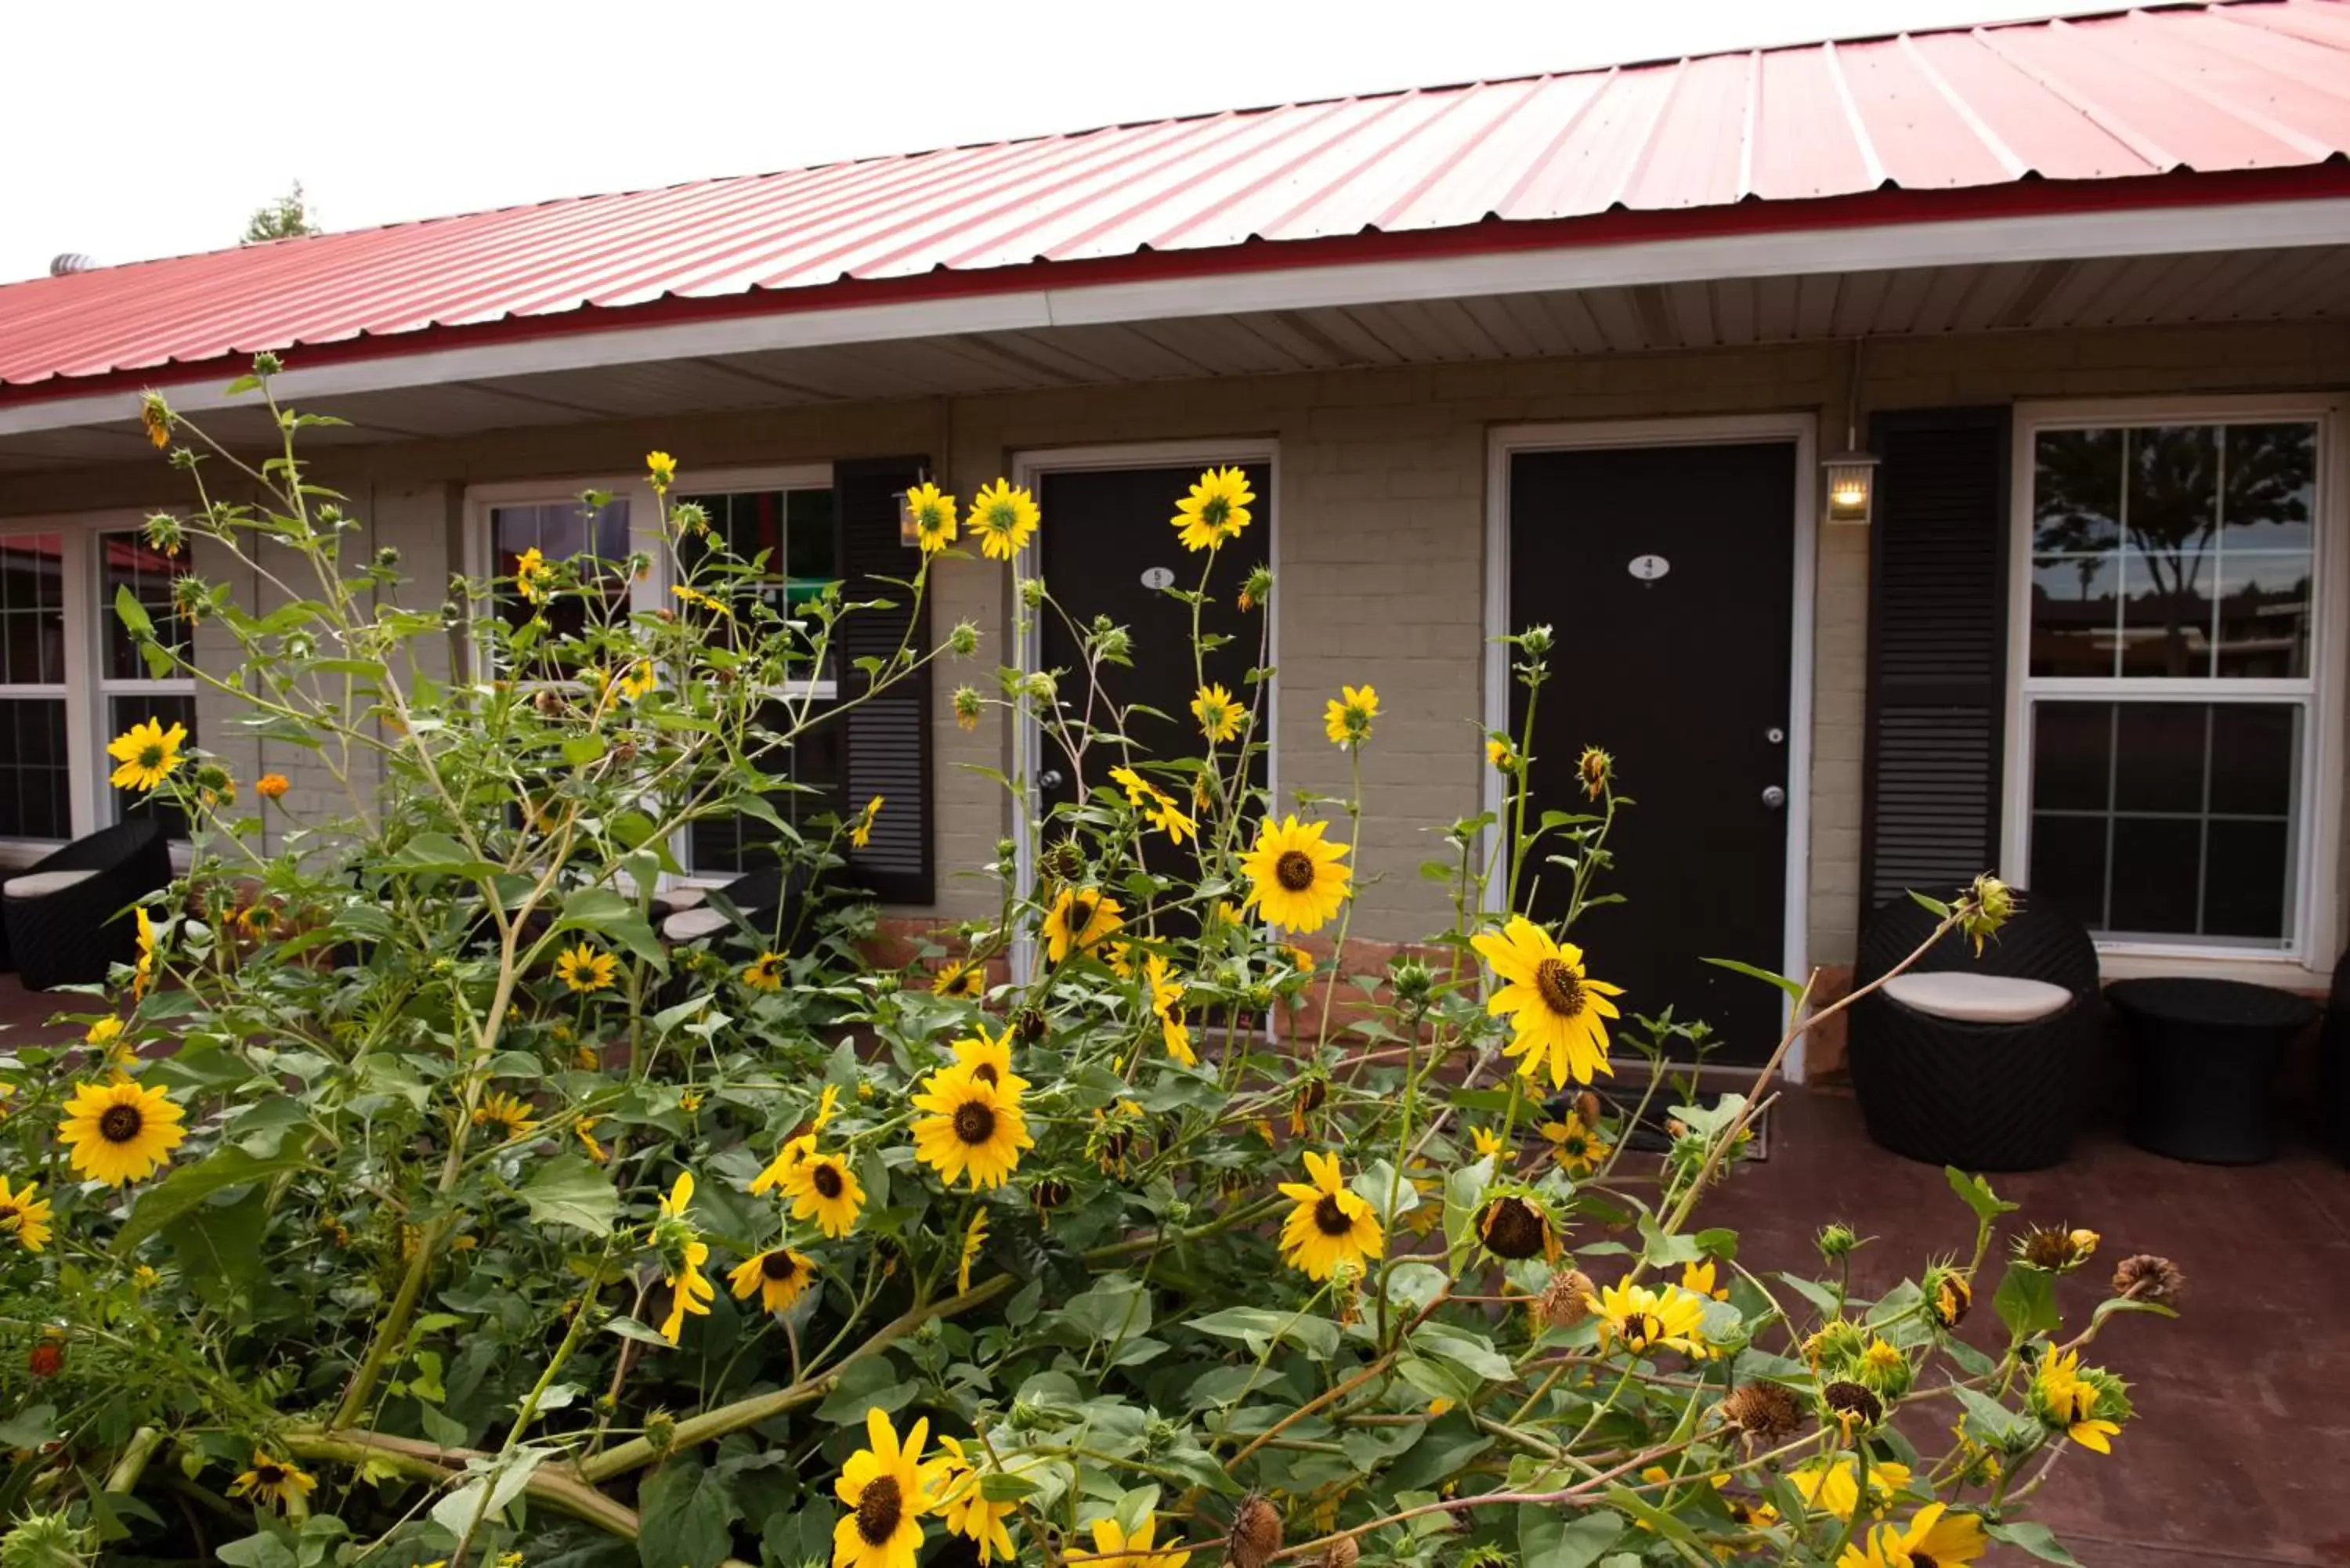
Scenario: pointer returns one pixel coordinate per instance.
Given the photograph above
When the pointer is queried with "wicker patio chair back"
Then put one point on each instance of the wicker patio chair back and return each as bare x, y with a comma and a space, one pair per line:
70, 936
2037, 943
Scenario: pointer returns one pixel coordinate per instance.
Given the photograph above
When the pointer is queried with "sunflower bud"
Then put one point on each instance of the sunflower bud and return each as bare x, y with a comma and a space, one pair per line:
1985, 905
1948, 1296
1412, 981
1535, 639
1764, 1413
660, 1431
1255, 1534
963, 641
1835, 1241
2148, 1278
1032, 592
1041, 688
267, 364
166, 533
1596, 769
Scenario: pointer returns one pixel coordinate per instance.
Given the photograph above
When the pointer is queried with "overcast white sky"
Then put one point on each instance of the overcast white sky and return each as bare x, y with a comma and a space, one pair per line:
137, 128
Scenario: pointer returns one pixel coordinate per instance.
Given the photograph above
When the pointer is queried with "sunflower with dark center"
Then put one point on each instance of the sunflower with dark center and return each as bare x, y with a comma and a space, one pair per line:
966, 981
1851, 1406
1330, 1225
147, 752
1948, 1296
1294, 877
1575, 1144
1558, 1014
120, 1131
1638, 1319
971, 1129
1048, 1193
821, 1187
982, 1059
888, 1488
1934, 1538
778, 1277
275, 1482
2055, 1248
1515, 1227
1080, 920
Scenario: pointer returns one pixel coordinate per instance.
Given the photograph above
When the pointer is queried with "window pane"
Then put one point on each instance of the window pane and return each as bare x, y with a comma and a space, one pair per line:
813, 560
793, 529
2162, 821
560, 531
2076, 490
167, 710
722, 846
2173, 507
2264, 598
36, 773
2272, 486
2166, 613
128, 561
31, 609
2075, 616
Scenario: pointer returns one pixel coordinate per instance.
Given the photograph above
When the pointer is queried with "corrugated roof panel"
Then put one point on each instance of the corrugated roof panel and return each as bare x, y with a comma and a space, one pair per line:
2232, 85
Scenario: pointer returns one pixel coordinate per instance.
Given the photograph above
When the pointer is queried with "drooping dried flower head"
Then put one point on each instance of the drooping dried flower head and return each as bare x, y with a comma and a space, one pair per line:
2148, 1278
2055, 1248
1255, 1534
1764, 1413
1515, 1227
1564, 1301
1340, 1554
1852, 1404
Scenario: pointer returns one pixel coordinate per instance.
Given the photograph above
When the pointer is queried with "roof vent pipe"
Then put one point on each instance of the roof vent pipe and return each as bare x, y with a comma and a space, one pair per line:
69, 261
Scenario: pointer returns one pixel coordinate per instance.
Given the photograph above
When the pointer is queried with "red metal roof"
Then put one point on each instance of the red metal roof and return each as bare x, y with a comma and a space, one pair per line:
2248, 85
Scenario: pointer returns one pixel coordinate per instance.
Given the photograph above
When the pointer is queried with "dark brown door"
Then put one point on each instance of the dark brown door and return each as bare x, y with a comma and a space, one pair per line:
1667, 575
1105, 542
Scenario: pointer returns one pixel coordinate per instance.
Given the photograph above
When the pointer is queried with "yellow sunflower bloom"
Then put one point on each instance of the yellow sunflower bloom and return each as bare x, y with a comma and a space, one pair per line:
966, 980
1330, 1225
661, 469
1934, 1538
120, 1131
1294, 877
585, 969
700, 600
1114, 1548
1003, 515
1502, 756
143, 975
971, 1129
1488, 1142
271, 786
1698, 1280
888, 1489
1346, 719
531, 574
1167, 1006
1216, 510
1080, 920
1219, 717
638, 678
1832, 1485
974, 1240
778, 1277
764, 973
147, 752
1556, 1010
690, 1290
1641, 1320
275, 1482
24, 1214
585, 1130
821, 1187
967, 1510
861, 835
988, 1062
508, 1113
1575, 1144
933, 511
2072, 1400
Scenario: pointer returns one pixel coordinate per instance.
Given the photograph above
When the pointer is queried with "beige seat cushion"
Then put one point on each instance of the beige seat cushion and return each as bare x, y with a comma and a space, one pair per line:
1977, 997
692, 925
684, 897
41, 884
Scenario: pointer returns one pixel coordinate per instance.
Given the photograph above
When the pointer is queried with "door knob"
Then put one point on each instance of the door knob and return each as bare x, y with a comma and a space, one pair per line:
1774, 797
1049, 779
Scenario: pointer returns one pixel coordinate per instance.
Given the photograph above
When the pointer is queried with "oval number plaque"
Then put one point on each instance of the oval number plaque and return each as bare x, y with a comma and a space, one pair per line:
1157, 577
1648, 568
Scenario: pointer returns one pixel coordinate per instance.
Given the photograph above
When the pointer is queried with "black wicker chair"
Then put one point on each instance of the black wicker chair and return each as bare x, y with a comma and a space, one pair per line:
1983, 1096
67, 915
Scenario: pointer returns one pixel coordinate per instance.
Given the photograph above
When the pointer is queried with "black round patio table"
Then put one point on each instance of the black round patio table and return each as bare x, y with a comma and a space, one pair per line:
2206, 1053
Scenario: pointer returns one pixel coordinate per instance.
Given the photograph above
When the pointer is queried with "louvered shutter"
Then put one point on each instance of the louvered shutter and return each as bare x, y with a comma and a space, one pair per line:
887, 739
1937, 652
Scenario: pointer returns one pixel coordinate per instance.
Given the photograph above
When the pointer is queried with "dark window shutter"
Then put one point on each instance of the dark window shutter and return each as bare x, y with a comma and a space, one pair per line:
886, 740
1937, 712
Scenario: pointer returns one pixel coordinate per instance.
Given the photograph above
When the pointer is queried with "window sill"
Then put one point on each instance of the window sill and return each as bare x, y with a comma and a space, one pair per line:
2283, 974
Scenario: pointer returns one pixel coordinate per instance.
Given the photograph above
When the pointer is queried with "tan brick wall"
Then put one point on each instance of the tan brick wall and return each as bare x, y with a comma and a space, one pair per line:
1381, 503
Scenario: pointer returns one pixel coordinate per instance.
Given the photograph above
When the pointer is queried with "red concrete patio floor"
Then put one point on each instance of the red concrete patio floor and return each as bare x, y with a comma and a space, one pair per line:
2240, 1450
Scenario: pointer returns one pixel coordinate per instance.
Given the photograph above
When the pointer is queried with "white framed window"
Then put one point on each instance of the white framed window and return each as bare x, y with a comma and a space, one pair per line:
70, 677
783, 513
2171, 780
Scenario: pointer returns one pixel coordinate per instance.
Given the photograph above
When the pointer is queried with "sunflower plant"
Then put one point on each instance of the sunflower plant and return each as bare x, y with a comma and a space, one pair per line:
409, 1201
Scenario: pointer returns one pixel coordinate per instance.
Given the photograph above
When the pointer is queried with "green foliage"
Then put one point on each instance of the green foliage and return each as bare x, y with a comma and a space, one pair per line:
285, 218
501, 1223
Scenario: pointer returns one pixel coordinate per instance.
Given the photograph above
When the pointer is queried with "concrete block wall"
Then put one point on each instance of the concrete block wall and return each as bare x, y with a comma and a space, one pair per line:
1380, 492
